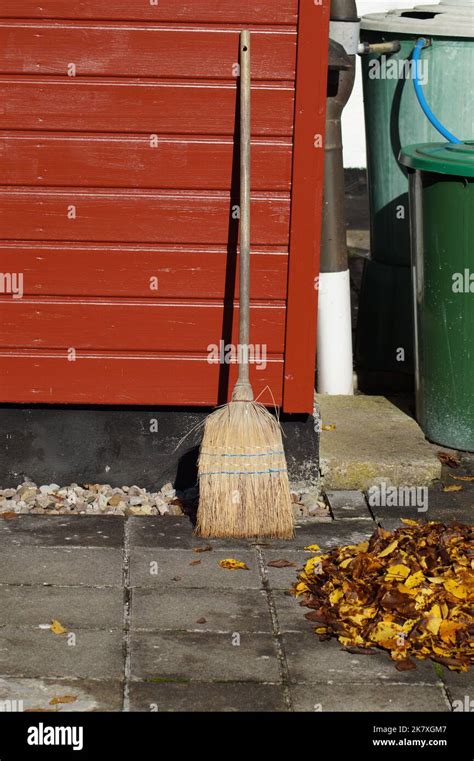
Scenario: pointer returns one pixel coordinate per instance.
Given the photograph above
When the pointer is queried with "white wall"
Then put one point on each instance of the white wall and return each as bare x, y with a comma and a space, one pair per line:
353, 130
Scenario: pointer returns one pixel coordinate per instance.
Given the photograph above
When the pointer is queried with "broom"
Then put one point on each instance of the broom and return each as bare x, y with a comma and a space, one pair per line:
243, 479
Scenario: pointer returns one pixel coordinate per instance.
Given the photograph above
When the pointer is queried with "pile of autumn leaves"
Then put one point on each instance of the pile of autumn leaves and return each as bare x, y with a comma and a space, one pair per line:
410, 592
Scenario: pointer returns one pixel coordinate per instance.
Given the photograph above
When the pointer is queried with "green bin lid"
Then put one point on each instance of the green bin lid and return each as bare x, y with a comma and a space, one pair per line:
442, 158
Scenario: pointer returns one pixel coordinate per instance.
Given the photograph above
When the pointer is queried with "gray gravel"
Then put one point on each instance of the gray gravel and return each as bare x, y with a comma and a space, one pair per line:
103, 499
88, 499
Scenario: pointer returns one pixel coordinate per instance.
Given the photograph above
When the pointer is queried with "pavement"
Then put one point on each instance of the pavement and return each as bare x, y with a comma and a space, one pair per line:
153, 623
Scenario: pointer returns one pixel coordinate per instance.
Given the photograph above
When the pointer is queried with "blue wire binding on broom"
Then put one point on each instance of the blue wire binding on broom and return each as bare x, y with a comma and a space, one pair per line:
242, 472
260, 454
421, 97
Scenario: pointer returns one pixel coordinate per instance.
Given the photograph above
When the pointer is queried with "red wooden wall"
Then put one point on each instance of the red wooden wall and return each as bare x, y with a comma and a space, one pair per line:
119, 181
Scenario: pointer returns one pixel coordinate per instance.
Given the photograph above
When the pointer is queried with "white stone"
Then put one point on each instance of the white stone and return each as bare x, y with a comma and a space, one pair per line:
71, 497
138, 510
26, 491
49, 489
44, 500
168, 491
101, 501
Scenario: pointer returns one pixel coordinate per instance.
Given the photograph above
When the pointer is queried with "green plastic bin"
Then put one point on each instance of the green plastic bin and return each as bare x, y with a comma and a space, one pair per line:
393, 119
441, 191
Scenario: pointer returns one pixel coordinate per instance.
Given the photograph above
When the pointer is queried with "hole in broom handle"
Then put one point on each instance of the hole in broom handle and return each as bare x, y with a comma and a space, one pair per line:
244, 289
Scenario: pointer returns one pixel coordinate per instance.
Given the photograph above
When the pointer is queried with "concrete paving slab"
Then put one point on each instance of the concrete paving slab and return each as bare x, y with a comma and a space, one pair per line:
445, 507
204, 656
373, 440
173, 568
283, 578
173, 533
71, 566
207, 697
348, 505
390, 517
460, 688
245, 610
441, 506
290, 614
62, 531
325, 534
390, 524
310, 660
37, 694
84, 607
368, 698
40, 653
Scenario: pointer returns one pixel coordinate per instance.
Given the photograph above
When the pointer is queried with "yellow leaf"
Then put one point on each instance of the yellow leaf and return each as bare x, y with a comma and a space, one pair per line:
335, 596
415, 579
309, 566
301, 588
406, 590
409, 522
433, 620
453, 487
344, 640
346, 562
433, 623
328, 427
399, 654
360, 618
62, 699
447, 631
435, 611
233, 565
385, 630
321, 630
456, 589
408, 625
312, 548
397, 573
389, 549
439, 650
57, 628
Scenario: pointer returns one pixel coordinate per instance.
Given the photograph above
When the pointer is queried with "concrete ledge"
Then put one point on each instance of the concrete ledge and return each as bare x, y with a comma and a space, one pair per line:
374, 441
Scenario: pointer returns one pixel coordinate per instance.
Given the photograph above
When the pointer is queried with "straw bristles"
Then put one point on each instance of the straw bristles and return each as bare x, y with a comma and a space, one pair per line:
243, 479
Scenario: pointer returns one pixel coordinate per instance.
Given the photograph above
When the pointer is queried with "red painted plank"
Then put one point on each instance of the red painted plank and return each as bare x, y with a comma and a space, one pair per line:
102, 105
137, 216
229, 11
132, 325
135, 161
141, 271
307, 194
48, 377
70, 49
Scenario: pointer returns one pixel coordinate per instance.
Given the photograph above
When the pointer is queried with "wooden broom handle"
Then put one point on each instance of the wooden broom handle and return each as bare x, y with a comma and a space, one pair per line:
244, 290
